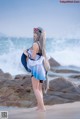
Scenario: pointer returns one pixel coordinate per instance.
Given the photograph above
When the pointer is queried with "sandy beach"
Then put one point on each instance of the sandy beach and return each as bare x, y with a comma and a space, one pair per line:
58, 111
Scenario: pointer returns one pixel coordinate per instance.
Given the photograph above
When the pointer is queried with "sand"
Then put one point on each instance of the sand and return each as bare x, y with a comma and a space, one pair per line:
57, 111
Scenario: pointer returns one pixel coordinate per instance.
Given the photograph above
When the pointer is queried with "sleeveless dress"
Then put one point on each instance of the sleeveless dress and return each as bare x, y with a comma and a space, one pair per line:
36, 66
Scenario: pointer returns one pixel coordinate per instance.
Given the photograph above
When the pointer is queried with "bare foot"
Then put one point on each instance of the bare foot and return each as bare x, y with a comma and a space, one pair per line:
37, 108
41, 110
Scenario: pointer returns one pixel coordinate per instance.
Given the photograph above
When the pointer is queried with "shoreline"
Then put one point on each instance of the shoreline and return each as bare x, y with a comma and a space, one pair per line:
58, 111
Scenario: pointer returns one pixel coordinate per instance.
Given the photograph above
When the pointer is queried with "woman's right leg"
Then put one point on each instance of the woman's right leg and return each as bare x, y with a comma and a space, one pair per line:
40, 89
38, 93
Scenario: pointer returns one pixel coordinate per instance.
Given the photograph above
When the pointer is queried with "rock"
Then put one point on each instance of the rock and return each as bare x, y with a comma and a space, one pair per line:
24, 80
10, 103
53, 62
60, 97
13, 91
22, 76
19, 92
52, 99
61, 91
13, 97
62, 85
25, 103
66, 71
75, 76
6, 91
5, 76
8, 76
1, 72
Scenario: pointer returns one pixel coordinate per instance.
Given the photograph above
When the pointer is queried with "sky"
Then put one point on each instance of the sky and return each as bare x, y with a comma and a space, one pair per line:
19, 17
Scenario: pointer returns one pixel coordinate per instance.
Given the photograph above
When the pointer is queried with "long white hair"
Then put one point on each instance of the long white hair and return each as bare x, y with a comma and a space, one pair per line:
41, 37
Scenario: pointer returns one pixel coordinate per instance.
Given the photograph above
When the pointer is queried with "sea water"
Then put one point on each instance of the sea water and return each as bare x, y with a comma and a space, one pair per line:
65, 51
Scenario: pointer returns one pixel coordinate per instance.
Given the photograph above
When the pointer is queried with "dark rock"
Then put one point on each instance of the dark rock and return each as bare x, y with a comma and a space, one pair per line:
1, 72
61, 91
53, 62
62, 85
75, 76
52, 99
63, 70
5, 76
8, 76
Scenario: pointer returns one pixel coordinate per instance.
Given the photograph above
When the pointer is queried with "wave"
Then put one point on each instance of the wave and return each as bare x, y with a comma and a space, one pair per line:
65, 51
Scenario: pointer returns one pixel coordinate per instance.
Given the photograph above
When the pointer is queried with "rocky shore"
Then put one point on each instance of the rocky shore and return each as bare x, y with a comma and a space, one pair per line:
18, 91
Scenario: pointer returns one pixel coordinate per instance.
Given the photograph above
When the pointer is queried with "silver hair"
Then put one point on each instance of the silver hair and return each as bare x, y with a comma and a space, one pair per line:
42, 40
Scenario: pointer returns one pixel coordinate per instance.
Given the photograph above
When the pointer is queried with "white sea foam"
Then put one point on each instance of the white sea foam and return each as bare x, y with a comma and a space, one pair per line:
68, 56
65, 51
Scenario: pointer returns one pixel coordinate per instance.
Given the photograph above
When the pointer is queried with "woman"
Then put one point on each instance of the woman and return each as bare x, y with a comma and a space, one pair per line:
35, 56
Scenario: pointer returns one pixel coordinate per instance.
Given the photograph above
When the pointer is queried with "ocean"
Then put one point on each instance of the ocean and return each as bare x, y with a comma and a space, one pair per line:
65, 51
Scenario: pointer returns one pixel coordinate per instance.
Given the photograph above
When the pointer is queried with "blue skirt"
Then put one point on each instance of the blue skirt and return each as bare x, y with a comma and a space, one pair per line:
37, 70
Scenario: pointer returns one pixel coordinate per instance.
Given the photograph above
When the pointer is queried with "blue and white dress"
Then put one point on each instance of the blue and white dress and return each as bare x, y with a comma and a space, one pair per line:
36, 66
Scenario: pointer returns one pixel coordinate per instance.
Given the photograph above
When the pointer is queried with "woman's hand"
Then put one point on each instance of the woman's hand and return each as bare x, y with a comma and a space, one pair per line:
25, 52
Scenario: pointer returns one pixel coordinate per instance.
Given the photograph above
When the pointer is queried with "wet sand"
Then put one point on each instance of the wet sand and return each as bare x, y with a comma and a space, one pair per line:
58, 111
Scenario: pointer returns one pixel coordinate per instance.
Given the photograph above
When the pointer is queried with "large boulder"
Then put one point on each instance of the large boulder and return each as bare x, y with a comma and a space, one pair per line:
62, 91
62, 85
16, 92
53, 62
5, 76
